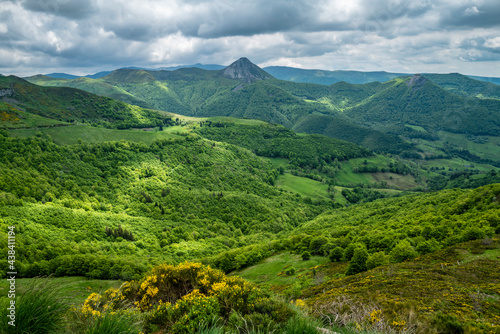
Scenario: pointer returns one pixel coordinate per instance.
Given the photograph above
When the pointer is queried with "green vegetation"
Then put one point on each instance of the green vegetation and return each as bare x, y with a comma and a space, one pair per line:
73, 290
180, 198
72, 105
72, 135
303, 186
447, 293
273, 270
279, 142
13, 118
306, 215
381, 116
38, 309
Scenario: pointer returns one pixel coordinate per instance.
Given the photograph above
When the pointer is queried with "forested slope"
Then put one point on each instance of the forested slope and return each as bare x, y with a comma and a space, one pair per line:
70, 105
180, 199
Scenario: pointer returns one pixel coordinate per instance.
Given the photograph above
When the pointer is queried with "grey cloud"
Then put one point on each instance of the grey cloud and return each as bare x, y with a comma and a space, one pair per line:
250, 18
72, 9
484, 15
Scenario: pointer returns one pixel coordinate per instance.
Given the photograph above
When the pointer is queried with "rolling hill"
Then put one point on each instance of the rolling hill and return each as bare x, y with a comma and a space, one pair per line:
236, 91
71, 105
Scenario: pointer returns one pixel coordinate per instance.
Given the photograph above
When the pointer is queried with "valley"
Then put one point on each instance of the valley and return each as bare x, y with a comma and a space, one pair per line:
199, 194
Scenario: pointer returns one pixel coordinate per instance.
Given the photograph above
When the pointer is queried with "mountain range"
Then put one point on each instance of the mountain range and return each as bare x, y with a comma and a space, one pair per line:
317, 76
372, 114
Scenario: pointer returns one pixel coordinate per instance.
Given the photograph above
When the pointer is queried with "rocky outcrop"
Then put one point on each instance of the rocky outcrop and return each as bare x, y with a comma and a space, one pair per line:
6, 92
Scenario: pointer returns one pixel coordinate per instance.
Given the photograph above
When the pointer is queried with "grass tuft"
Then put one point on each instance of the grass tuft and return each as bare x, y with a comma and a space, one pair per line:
39, 309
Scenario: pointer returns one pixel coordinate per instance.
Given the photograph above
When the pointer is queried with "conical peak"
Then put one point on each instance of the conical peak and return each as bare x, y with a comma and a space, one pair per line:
416, 80
245, 70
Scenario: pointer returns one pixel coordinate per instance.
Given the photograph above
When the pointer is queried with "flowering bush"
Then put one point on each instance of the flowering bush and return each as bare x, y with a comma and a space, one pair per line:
177, 299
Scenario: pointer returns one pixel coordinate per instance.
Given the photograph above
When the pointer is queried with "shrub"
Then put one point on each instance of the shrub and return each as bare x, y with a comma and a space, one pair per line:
403, 251
447, 324
177, 299
472, 233
113, 323
376, 260
358, 262
306, 256
290, 271
336, 254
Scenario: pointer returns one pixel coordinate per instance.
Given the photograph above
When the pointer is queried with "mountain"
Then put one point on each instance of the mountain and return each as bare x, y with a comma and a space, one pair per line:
211, 67
463, 85
324, 77
98, 75
104, 73
246, 71
62, 76
251, 198
493, 80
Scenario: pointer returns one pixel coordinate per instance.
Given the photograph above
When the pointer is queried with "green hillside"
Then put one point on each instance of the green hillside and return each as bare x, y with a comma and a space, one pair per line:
92, 86
341, 205
203, 93
114, 210
72, 105
417, 101
179, 198
465, 86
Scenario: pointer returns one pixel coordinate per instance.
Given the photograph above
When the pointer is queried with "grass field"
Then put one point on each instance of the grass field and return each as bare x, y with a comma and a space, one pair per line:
74, 289
303, 186
346, 175
267, 271
278, 162
489, 150
458, 164
20, 119
69, 135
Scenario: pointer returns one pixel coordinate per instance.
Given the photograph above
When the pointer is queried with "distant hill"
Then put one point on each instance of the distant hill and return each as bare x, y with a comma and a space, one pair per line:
69, 105
62, 76
104, 73
98, 75
324, 77
211, 67
494, 80
418, 101
463, 85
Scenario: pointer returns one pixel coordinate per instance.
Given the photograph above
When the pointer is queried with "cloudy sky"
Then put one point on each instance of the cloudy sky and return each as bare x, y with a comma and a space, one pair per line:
409, 36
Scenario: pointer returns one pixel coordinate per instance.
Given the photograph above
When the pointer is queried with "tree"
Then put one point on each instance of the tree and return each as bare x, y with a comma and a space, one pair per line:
336, 254
316, 244
349, 251
358, 262
376, 260
402, 251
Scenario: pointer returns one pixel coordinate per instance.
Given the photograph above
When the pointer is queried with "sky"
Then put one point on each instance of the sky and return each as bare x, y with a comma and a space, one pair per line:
405, 36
